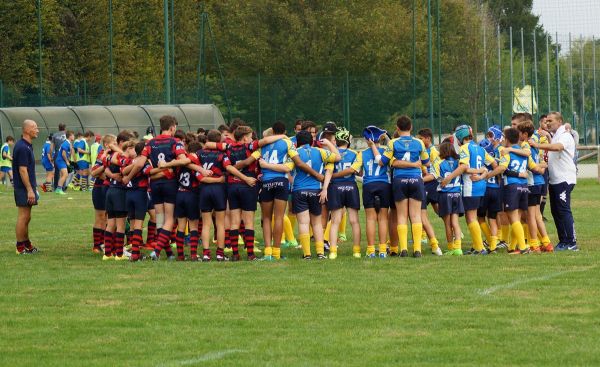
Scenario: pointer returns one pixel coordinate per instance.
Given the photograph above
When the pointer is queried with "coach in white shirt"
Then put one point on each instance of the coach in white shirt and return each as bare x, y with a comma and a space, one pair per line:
563, 177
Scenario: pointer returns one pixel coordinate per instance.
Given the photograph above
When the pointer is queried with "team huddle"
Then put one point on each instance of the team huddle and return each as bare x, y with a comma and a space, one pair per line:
203, 188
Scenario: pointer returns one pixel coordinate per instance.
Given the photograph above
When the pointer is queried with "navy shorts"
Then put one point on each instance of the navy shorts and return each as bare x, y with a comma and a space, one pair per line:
60, 164
450, 203
48, 166
304, 200
545, 186
150, 201
137, 203
343, 195
535, 195
242, 196
276, 189
21, 197
99, 197
491, 204
431, 193
514, 197
187, 205
408, 188
115, 202
164, 192
83, 164
212, 197
471, 202
383, 190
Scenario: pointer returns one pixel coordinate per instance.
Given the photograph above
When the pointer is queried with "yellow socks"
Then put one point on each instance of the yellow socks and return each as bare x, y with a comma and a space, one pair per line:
382, 248
417, 235
534, 243
394, 249
288, 230
434, 243
293, 220
268, 251
493, 242
457, 244
485, 228
526, 232
304, 240
505, 232
356, 249
277, 253
320, 248
519, 235
370, 250
475, 231
545, 240
403, 236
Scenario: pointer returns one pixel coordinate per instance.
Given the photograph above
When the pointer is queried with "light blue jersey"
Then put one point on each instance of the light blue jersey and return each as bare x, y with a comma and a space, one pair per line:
45, 152
515, 163
443, 168
408, 149
533, 178
373, 172
475, 157
65, 147
350, 159
316, 158
278, 152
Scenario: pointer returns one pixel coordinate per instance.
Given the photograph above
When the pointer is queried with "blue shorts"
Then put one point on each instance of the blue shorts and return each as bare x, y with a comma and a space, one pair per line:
83, 165
382, 190
431, 193
212, 197
471, 202
21, 197
99, 197
343, 195
48, 166
450, 203
491, 204
137, 203
61, 164
187, 205
276, 189
115, 202
242, 196
164, 191
5, 169
303, 200
408, 188
535, 195
514, 197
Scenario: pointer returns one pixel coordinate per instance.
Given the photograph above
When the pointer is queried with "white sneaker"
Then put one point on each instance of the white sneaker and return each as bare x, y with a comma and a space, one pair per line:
153, 256
437, 252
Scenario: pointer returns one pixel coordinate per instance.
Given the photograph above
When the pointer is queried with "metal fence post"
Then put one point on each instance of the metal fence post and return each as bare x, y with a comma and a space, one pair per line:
259, 108
522, 58
1, 93
583, 93
39, 16
166, 51
535, 93
347, 101
595, 96
558, 104
439, 70
499, 77
414, 61
571, 81
110, 52
512, 86
548, 73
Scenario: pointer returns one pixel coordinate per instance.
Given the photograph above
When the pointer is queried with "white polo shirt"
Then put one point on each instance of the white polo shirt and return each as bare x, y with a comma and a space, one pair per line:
560, 164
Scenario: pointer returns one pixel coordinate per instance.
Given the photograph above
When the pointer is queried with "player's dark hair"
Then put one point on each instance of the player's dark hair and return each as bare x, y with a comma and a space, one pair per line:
190, 137
426, 133
223, 129
278, 128
9, 138
179, 134
79, 134
512, 135
236, 123
298, 123
542, 117
518, 117
88, 134
447, 150
62, 127
166, 122
123, 136
306, 125
404, 123
526, 127
69, 133
214, 136
202, 139
489, 134
194, 146
201, 131
303, 137
139, 146
241, 131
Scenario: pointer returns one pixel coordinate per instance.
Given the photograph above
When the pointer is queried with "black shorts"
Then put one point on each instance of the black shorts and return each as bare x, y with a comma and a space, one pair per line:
212, 197
471, 202
383, 190
164, 192
137, 203
450, 203
150, 201
99, 197
242, 196
545, 186
276, 189
431, 194
408, 188
304, 200
514, 197
491, 204
343, 195
535, 195
21, 197
187, 205
115, 202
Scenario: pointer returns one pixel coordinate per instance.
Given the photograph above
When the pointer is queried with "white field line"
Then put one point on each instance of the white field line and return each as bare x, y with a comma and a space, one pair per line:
212, 356
490, 290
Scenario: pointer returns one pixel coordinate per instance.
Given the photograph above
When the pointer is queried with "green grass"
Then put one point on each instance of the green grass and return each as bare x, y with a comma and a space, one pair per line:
65, 307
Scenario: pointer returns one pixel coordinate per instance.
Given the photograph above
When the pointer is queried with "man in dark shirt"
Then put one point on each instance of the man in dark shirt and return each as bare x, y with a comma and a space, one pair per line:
26, 195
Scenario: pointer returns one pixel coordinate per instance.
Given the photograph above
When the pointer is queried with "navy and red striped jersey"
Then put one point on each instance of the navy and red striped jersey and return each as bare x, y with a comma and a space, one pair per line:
213, 160
140, 180
100, 180
113, 168
238, 152
185, 175
163, 148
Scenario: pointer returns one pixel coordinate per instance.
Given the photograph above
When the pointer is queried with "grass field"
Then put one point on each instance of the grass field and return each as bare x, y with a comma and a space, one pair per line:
65, 307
